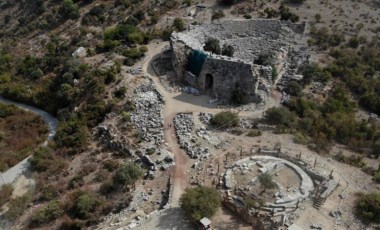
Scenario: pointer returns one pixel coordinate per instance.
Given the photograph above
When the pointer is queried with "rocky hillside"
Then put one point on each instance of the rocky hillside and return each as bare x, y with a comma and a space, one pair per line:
72, 58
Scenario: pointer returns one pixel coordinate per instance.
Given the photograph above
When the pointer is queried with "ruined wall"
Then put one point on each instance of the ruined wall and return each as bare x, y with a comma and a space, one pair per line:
312, 172
253, 80
180, 56
256, 222
226, 75
191, 79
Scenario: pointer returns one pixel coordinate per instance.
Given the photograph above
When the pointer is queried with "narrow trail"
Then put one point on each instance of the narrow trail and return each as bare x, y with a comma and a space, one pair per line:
170, 110
178, 102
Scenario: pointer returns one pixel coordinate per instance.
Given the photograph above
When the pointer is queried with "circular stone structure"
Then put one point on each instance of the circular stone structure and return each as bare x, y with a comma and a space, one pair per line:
293, 184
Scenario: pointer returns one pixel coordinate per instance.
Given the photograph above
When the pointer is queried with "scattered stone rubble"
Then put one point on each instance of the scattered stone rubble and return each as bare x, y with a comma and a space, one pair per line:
131, 216
296, 58
148, 117
205, 118
109, 137
246, 123
184, 126
136, 70
161, 159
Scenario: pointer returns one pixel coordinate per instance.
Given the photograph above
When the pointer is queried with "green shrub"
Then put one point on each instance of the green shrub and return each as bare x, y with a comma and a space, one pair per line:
376, 177
95, 16
77, 181
17, 206
111, 165
5, 194
217, 15
274, 73
228, 2
293, 88
251, 203
178, 24
317, 18
254, 133
247, 16
127, 175
134, 54
212, 45
368, 207
7, 19
354, 160
72, 134
200, 202
271, 13
151, 151
299, 138
228, 50
286, 15
69, 10
125, 3
225, 119
5, 77
376, 148
120, 92
266, 181
313, 72
36, 74
45, 160
48, 213
353, 42
106, 188
126, 116
280, 116
85, 205
265, 59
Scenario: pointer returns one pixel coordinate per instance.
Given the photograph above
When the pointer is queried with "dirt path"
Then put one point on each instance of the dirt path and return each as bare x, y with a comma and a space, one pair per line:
176, 102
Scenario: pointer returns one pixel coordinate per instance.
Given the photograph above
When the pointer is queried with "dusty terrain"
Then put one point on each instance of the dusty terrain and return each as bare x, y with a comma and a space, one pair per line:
351, 179
351, 17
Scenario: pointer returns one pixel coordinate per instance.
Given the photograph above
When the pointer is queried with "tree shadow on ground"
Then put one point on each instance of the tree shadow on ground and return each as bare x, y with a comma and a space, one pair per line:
174, 218
201, 100
227, 220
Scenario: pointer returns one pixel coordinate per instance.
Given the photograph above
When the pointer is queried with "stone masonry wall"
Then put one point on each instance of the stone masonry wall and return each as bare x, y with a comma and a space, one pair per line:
191, 79
226, 76
180, 57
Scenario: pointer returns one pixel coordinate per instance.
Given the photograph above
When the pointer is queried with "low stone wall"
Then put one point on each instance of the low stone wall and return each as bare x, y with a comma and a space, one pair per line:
306, 183
314, 174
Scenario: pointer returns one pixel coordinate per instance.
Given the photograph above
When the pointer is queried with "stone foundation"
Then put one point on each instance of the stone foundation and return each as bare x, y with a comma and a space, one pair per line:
219, 76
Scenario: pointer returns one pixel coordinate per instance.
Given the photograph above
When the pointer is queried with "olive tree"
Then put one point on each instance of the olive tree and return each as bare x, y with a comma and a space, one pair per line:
200, 202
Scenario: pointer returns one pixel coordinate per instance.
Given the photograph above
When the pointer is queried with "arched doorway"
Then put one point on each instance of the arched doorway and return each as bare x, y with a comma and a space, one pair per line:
209, 81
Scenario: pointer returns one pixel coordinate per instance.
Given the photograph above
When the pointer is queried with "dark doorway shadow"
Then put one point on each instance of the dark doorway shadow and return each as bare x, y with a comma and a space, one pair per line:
209, 82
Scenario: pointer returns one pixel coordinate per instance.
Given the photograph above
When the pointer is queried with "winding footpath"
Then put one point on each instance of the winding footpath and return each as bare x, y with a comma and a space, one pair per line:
175, 102
13, 173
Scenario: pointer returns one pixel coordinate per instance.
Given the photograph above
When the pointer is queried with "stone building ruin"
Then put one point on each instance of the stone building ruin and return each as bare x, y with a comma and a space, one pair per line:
297, 182
219, 76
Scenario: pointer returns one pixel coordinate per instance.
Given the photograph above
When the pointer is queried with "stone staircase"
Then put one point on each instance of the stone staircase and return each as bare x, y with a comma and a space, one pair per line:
318, 202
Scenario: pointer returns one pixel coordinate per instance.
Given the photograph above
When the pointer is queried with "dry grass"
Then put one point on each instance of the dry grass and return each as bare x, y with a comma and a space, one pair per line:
20, 132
